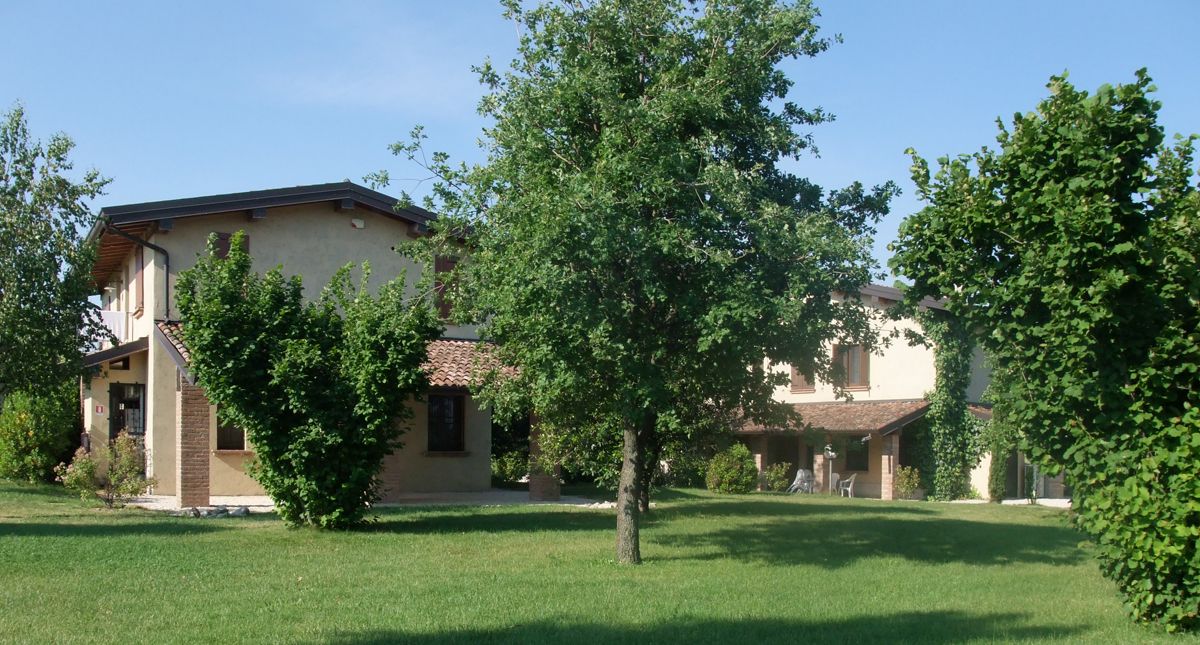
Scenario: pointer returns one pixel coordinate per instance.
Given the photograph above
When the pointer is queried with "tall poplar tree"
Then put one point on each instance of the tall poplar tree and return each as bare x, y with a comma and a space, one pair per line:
632, 244
46, 321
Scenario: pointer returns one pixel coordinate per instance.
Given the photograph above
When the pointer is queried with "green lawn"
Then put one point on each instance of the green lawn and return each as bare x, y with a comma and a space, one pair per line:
718, 569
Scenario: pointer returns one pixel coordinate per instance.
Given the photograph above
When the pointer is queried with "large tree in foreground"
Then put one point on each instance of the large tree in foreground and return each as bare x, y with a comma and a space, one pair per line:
633, 246
46, 321
1073, 248
317, 386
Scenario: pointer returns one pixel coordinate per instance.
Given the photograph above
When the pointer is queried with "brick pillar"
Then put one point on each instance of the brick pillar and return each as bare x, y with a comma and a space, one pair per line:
821, 466
889, 456
543, 486
191, 445
759, 448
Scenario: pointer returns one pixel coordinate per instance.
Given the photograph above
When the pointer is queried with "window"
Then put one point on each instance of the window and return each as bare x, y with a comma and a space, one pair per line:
855, 364
223, 244
857, 456
446, 423
801, 382
229, 436
442, 265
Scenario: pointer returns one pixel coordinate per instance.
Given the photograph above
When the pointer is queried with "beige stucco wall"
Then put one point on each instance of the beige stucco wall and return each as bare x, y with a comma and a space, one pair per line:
161, 421
898, 371
411, 469
979, 475
311, 240
95, 393
227, 468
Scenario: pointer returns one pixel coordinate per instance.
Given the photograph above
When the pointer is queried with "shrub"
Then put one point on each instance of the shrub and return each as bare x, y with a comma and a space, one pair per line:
320, 387
776, 476
113, 478
36, 432
510, 467
908, 481
732, 471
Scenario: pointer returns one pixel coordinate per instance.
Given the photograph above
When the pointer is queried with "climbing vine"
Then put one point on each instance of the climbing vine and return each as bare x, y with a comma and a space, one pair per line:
954, 432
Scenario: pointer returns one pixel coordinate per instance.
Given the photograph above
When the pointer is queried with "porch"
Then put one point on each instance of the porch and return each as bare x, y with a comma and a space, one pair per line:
847, 438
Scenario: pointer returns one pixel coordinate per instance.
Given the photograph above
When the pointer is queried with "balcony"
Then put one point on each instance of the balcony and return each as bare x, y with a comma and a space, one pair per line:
115, 322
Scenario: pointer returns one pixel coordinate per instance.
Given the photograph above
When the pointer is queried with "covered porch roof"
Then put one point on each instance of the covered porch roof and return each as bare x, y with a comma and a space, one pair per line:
853, 417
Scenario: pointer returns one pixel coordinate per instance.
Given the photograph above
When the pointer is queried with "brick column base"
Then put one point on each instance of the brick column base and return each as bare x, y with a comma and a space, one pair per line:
888, 458
191, 445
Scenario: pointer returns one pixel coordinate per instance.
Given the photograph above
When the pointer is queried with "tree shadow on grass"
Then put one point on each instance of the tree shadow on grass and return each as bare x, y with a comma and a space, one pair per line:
933, 627
836, 541
431, 521
753, 506
136, 526
44, 491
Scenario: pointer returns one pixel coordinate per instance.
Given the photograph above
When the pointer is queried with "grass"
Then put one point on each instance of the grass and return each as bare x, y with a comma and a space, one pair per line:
756, 568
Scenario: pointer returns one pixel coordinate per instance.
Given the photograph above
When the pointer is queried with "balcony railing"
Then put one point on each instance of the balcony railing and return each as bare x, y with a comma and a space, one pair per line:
115, 321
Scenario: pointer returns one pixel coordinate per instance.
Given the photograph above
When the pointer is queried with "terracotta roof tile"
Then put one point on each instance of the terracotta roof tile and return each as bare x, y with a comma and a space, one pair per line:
173, 331
451, 361
856, 416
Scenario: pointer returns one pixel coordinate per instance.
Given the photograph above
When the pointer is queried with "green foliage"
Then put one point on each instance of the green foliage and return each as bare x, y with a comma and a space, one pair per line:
687, 466
37, 431
732, 471
953, 429
113, 476
1073, 248
509, 467
318, 387
908, 481
916, 449
776, 477
46, 321
637, 249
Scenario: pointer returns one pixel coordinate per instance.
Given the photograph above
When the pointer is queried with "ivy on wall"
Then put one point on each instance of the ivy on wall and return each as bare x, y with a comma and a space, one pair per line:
954, 433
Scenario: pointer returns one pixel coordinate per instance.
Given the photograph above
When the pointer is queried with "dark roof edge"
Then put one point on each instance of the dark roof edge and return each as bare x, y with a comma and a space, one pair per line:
120, 351
892, 293
232, 202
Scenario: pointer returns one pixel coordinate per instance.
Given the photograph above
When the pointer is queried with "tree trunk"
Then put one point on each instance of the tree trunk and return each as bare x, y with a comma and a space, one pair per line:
628, 547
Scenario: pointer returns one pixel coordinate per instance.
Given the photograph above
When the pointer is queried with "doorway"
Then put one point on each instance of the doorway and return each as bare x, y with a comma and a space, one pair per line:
125, 411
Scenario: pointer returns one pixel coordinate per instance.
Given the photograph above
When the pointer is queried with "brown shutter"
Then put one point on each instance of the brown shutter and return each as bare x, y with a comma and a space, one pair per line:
139, 263
442, 265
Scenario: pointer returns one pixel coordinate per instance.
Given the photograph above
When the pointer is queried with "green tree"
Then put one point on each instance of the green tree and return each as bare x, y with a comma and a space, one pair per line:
37, 432
634, 247
1073, 248
319, 387
46, 321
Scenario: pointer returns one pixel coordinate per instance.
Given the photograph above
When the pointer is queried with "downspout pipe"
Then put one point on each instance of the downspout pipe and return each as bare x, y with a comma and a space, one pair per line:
109, 228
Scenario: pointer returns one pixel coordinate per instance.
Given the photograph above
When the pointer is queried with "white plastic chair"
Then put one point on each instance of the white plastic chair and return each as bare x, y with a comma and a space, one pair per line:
833, 482
846, 486
803, 482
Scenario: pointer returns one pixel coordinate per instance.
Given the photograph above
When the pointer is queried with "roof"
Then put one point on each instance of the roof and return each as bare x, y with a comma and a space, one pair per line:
117, 352
980, 410
451, 364
883, 417
896, 295
138, 219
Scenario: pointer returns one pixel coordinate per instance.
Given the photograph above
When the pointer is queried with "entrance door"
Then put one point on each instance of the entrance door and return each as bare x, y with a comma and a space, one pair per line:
125, 407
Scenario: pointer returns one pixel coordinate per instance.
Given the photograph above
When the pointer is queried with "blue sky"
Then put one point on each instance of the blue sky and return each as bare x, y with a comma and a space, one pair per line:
179, 100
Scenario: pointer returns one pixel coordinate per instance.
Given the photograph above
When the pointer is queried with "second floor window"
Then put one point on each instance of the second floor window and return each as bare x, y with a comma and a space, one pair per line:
801, 382
441, 266
855, 364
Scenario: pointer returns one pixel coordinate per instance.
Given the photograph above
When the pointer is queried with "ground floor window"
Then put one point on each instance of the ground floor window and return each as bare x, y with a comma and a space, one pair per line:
857, 454
229, 436
446, 423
